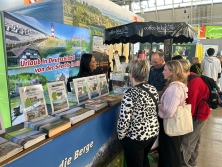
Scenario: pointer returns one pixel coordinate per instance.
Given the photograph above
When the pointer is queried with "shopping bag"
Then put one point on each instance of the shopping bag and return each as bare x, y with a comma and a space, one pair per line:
181, 123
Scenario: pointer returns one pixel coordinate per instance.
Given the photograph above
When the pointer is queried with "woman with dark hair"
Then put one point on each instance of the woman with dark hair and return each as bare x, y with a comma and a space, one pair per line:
87, 65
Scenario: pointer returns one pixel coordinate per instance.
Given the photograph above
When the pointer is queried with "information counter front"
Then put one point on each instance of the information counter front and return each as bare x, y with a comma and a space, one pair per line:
91, 142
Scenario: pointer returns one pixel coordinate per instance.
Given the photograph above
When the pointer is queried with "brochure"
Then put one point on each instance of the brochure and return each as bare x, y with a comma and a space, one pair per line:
33, 102
58, 96
93, 87
81, 89
72, 95
103, 86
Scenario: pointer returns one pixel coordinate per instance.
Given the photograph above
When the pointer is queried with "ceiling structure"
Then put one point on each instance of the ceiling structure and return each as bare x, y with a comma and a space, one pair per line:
194, 11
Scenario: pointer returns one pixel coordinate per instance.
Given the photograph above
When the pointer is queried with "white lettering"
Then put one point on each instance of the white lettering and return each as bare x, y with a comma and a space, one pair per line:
85, 149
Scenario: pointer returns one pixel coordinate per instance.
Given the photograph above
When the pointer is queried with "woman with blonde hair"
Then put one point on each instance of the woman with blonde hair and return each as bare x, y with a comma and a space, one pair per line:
175, 93
137, 125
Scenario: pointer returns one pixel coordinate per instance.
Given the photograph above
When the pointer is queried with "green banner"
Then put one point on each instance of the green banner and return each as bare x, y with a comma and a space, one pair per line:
4, 99
213, 32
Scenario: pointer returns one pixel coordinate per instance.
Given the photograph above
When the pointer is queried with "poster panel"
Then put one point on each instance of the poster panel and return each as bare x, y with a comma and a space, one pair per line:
39, 52
213, 32
100, 52
187, 51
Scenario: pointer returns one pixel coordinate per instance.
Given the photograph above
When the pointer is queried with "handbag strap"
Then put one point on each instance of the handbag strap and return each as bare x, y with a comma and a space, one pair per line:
151, 95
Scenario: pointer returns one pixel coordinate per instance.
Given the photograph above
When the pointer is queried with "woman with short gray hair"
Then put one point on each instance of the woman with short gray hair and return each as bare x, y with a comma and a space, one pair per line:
137, 125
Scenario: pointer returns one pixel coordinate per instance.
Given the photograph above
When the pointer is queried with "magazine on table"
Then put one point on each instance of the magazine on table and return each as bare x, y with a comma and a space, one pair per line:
96, 104
58, 96
71, 111
103, 86
25, 137
78, 115
8, 149
81, 89
55, 127
93, 87
33, 102
36, 124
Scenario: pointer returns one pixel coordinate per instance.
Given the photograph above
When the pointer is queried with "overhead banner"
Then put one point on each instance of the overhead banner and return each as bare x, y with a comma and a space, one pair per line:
213, 32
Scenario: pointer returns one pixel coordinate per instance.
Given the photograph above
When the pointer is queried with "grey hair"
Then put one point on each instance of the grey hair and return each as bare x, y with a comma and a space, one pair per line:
139, 68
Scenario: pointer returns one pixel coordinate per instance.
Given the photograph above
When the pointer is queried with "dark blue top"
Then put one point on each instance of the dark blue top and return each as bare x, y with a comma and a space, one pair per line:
156, 78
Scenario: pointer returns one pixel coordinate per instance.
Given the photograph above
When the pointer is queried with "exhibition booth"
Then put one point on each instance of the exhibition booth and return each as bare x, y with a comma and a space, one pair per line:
45, 49
40, 44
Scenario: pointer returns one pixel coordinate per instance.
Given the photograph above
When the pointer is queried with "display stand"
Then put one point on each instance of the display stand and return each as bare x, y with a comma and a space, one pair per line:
89, 142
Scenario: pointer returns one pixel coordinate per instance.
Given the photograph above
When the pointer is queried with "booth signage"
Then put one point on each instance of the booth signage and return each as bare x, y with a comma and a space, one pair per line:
213, 32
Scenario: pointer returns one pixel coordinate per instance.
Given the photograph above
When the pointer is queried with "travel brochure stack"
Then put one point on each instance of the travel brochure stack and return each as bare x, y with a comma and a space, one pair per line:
7, 148
113, 99
76, 115
92, 91
25, 137
96, 104
35, 110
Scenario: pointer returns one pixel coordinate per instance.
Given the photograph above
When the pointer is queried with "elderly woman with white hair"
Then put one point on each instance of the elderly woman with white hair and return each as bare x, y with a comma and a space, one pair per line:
137, 125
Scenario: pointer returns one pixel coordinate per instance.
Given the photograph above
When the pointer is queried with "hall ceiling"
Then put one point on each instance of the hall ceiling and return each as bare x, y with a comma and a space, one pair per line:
201, 12
141, 6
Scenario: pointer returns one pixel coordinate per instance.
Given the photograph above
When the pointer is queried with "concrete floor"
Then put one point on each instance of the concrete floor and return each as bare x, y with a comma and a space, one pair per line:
210, 151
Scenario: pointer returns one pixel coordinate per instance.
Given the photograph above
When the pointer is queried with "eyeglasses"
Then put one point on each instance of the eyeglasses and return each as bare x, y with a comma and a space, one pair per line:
153, 62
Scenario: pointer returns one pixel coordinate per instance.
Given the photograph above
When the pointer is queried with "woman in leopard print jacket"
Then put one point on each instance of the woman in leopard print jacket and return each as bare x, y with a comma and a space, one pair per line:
137, 125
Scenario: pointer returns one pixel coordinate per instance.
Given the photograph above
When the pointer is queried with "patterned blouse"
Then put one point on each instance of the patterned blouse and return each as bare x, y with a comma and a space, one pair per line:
138, 115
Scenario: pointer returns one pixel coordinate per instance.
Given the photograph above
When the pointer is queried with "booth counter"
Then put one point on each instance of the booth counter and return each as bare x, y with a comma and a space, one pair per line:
91, 142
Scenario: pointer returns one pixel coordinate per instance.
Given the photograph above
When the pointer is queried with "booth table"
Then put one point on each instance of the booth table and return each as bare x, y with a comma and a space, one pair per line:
90, 142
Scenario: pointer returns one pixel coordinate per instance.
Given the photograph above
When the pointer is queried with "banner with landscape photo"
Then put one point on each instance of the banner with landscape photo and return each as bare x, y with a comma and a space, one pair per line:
39, 52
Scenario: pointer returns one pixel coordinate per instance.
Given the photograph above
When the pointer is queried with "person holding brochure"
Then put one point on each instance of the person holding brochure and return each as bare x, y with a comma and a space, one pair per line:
137, 125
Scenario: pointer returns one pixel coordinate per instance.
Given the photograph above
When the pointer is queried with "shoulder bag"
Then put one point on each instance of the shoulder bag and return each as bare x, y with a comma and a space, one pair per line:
181, 123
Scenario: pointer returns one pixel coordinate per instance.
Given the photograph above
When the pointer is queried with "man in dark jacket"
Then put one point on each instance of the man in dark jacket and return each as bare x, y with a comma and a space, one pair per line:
156, 77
